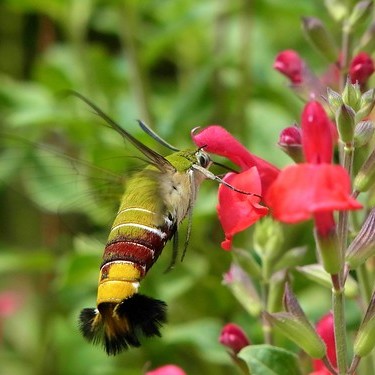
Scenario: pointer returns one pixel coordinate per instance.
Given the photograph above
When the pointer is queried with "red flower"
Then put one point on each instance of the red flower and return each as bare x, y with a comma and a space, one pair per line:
167, 370
361, 68
317, 139
237, 211
290, 64
233, 337
297, 193
216, 140
303, 190
316, 189
325, 330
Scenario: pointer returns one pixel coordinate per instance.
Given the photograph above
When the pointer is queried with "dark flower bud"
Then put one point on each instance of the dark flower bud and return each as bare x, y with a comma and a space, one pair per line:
290, 64
290, 141
361, 68
233, 337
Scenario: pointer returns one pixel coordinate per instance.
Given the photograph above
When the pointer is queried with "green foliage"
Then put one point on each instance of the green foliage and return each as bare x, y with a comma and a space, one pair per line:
176, 65
269, 360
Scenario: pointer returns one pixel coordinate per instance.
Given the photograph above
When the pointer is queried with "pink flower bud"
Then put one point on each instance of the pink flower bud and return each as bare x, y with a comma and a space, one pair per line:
167, 370
361, 68
233, 337
290, 64
290, 141
290, 136
9, 303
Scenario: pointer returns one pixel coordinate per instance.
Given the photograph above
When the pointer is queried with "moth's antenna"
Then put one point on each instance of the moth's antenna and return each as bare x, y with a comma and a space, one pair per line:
157, 137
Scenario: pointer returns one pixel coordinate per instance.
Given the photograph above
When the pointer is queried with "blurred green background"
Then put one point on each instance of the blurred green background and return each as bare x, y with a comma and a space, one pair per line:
176, 64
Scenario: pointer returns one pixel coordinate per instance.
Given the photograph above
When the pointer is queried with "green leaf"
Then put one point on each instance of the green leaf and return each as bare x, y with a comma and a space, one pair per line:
269, 360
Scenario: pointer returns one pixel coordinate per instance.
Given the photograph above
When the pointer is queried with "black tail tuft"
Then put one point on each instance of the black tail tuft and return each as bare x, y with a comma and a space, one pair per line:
118, 326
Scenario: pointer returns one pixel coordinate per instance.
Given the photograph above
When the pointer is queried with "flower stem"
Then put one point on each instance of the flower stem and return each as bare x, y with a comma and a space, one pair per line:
329, 366
338, 303
347, 163
266, 326
354, 365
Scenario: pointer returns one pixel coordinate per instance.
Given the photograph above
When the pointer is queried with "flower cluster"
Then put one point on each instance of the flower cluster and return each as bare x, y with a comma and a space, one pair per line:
313, 189
322, 184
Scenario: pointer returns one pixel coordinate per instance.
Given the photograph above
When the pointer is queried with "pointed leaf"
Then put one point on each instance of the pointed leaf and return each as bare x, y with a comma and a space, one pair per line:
269, 360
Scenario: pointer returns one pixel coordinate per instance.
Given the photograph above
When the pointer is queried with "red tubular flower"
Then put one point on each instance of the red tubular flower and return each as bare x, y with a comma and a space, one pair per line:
290, 64
167, 370
233, 337
216, 140
317, 140
297, 193
304, 190
237, 211
325, 330
361, 68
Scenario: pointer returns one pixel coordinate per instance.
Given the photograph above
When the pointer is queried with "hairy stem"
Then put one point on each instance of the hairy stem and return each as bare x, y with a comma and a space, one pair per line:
266, 327
338, 302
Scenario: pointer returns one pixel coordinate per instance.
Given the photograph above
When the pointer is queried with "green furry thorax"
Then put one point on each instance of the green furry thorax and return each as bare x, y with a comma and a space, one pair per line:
143, 189
183, 160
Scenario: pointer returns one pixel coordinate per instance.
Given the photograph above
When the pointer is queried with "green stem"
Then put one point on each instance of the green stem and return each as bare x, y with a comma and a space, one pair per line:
347, 163
266, 327
338, 302
329, 366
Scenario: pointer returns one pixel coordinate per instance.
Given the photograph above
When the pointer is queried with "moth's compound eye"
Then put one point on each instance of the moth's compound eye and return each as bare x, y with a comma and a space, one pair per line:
203, 159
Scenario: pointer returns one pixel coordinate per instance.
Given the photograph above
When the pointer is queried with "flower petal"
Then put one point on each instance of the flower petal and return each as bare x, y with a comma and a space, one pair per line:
305, 189
361, 68
238, 211
167, 370
233, 337
317, 137
290, 64
219, 141
326, 331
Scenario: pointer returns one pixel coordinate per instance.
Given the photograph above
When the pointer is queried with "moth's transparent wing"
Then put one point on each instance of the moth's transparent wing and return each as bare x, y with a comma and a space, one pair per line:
58, 182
